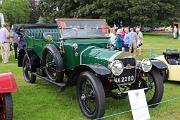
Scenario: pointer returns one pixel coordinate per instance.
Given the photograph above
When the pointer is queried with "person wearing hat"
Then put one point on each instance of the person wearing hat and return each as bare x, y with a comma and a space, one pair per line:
16, 41
119, 43
21, 46
5, 43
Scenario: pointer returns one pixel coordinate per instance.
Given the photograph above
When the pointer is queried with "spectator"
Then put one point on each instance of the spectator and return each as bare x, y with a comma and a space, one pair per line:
127, 39
133, 44
139, 40
5, 43
119, 43
169, 30
179, 34
112, 37
122, 33
16, 40
175, 31
21, 46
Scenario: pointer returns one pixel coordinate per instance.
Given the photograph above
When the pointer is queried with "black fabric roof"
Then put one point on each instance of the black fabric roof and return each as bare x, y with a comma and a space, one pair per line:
26, 26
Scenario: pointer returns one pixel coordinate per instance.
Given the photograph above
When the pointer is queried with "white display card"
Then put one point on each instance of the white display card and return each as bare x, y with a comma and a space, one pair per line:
138, 104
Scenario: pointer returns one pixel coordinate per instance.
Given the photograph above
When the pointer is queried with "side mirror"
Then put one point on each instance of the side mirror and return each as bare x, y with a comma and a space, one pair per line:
49, 38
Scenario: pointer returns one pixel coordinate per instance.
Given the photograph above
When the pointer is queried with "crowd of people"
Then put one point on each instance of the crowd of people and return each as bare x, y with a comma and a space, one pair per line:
125, 39
7, 36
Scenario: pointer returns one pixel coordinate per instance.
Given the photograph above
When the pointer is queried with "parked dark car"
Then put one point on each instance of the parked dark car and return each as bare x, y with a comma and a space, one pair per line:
146, 29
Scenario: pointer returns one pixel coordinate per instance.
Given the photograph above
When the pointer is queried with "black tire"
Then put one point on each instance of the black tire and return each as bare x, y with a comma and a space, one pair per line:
6, 107
27, 72
94, 94
155, 86
164, 74
53, 63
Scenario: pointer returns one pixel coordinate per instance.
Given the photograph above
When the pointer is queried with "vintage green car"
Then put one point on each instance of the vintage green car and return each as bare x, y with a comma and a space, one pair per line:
76, 52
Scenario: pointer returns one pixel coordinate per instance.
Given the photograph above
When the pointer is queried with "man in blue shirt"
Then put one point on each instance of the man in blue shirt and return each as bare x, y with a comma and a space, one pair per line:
127, 39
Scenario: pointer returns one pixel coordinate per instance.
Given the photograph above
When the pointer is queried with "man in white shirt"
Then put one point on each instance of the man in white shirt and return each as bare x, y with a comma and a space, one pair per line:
5, 43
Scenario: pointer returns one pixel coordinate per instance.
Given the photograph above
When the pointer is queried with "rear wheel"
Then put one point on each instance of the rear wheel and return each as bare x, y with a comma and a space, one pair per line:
27, 72
6, 106
90, 95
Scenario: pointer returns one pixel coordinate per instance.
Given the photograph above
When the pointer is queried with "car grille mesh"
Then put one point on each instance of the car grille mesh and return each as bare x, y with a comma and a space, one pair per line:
130, 61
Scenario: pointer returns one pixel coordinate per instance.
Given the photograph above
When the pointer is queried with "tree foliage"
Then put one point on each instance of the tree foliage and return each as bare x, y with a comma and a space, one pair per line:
16, 11
34, 12
146, 12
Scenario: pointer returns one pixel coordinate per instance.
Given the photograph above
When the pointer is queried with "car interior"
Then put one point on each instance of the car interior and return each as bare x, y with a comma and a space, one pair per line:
172, 56
40, 31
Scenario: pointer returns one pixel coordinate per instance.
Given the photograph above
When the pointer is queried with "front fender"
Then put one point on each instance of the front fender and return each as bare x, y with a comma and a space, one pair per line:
98, 70
7, 83
158, 64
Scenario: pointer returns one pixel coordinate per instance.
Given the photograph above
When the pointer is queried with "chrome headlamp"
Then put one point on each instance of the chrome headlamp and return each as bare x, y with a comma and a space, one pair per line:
146, 65
117, 67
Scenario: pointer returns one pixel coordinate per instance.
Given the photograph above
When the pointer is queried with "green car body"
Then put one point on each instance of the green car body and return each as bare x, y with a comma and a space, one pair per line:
79, 49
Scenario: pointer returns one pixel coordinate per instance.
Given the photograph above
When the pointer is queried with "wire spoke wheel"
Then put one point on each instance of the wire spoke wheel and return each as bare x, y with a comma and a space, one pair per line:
27, 69
90, 95
153, 81
52, 63
50, 66
151, 87
27, 73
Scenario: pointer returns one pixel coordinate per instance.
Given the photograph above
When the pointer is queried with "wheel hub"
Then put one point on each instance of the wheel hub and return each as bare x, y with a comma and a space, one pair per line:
83, 97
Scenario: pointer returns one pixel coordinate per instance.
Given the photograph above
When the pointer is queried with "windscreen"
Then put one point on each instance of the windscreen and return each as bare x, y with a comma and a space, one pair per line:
82, 28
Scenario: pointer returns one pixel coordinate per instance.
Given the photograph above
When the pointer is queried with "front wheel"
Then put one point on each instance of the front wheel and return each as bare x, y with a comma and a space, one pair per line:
90, 95
155, 87
6, 106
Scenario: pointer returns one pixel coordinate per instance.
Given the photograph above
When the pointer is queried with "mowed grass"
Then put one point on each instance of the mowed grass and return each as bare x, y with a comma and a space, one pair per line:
44, 101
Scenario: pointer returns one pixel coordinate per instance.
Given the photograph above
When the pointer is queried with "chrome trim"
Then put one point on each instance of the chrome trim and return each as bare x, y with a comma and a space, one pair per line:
119, 55
114, 56
128, 66
83, 52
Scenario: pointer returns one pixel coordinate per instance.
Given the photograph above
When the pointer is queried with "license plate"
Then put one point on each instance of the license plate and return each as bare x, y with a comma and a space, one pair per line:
123, 80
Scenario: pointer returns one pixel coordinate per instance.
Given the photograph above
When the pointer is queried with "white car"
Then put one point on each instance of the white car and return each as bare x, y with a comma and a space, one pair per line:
172, 59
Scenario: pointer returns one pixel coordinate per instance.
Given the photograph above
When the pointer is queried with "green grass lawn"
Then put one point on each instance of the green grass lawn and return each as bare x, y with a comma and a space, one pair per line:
44, 101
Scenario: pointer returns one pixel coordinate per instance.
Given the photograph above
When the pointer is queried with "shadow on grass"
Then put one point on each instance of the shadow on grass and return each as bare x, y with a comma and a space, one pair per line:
174, 82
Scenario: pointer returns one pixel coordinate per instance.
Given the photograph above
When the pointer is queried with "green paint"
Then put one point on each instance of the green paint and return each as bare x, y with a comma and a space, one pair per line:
96, 55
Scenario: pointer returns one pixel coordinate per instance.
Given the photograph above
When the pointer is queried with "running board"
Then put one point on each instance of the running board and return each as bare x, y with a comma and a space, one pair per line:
45, 78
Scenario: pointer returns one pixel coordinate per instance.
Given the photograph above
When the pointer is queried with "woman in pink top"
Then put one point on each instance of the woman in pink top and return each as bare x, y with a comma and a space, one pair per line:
121, 32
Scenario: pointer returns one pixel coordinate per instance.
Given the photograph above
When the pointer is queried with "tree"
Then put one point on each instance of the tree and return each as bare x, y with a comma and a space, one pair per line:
34, 11
131, 12
16, 11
